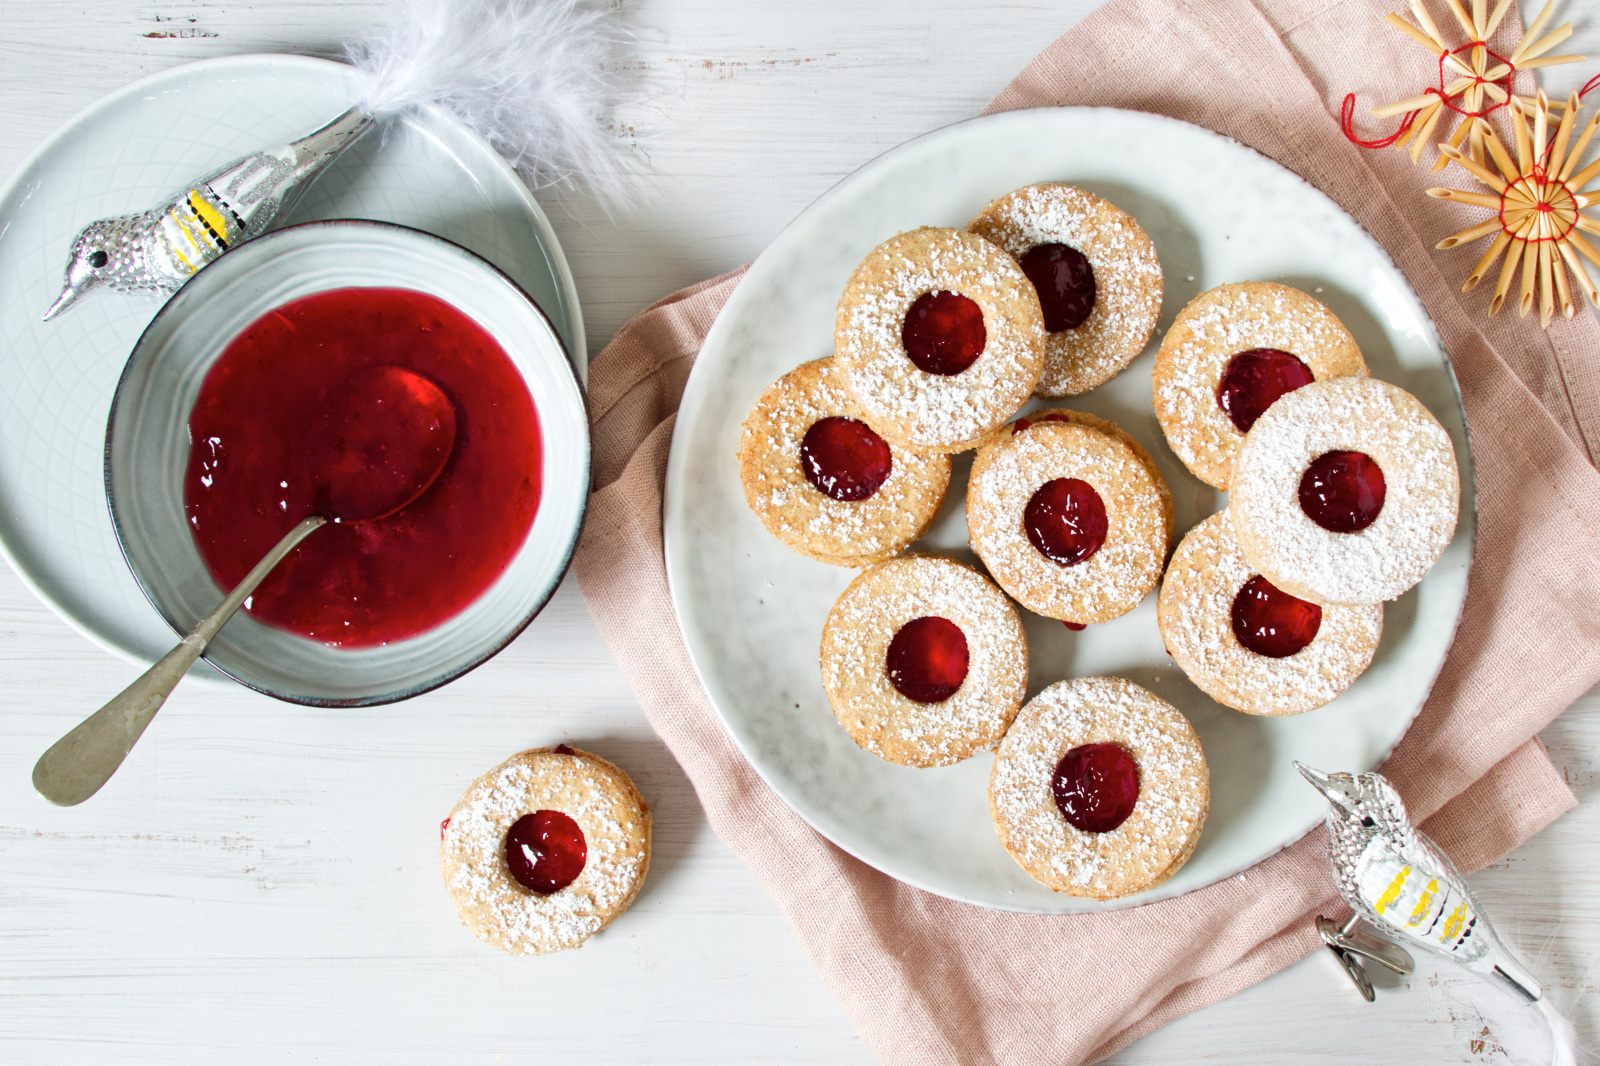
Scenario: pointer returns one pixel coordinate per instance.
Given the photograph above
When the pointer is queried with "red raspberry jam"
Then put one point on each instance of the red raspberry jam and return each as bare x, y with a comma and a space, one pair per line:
1049, 416
927, 659
944, 332
1066, 520
1076, 627
562, 749
1342, 491
1254, 379
545, 851
442, 827
1271, 622
1096, 786
844, 459
1065, 283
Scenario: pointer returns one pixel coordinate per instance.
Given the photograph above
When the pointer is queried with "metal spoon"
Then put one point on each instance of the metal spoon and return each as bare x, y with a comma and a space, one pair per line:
372, 450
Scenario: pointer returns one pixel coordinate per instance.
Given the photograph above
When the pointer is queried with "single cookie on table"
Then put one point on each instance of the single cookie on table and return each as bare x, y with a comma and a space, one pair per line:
1068, 520
1249, 645
1345, 491
1096, 273
939, 338
1104, 425
924, 660
1099, 788
824, 482
1229, 355
543, 851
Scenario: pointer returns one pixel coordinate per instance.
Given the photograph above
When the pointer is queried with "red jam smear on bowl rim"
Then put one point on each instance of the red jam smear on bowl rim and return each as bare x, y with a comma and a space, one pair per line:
368, 583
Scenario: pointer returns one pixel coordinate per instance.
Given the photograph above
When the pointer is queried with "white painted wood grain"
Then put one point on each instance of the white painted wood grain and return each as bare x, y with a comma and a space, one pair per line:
260, 881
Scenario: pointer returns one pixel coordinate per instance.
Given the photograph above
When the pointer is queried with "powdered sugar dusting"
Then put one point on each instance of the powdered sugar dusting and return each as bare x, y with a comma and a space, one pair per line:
855, 642
1127, 278
615, 828
1423, 490
1174, 793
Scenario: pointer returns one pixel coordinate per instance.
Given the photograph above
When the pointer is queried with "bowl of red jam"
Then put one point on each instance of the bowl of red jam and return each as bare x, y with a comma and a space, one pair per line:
207, 461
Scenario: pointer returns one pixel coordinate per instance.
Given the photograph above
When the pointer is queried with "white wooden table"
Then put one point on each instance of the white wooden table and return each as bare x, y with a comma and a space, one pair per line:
260, 882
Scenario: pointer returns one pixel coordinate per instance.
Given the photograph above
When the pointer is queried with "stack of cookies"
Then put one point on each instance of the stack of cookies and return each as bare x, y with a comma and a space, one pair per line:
941, 336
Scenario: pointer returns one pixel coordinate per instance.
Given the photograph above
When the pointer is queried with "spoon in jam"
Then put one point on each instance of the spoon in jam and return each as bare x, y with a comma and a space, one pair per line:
371, 451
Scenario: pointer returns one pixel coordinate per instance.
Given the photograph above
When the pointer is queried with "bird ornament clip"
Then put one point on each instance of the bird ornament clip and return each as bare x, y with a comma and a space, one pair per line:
1401, 885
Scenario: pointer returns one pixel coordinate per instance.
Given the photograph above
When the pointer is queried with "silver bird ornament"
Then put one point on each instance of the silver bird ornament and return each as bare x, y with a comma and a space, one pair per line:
1400, 884
156, 251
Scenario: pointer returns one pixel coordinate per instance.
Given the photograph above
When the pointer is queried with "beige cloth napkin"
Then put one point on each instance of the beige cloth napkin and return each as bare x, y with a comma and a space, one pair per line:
927, 980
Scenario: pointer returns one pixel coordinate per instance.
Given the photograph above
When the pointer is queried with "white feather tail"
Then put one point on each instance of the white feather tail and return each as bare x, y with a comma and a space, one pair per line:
530, 75
1563, 1037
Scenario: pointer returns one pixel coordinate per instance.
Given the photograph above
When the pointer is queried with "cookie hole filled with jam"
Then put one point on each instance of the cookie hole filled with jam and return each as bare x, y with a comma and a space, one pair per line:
545, 851
844, 459
1253, 380
1095, 786
1066, 521
1064, 280
927, 660
943, 332
1271, 622
1343, 492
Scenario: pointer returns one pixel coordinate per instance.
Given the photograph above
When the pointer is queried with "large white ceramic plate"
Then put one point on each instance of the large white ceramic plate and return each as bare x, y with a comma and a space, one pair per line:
123, 154
752, 611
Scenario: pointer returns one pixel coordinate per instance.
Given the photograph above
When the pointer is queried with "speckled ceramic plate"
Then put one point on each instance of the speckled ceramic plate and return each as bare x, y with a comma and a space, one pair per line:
752, 611
123, 154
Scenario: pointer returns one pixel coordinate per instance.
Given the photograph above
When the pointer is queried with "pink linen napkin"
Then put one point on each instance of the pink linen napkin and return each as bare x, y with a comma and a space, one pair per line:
928, 980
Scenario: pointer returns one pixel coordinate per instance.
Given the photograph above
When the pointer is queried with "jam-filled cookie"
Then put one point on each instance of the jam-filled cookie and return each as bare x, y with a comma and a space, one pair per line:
1104, 425
824, 482
1232, 352
1100, 788
1249, 645
1345, 491
924, 660
1068, 520
543, 851
939, 338
1096, 273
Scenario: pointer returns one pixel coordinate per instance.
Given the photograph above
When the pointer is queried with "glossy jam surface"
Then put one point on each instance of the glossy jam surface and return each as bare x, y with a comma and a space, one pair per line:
943, 332
844, 459
1271, 622
1096, 786
1254, 379
1343, 492
1066, 520
545, 851
1064, 280
1076, 627
927, 659
248, 482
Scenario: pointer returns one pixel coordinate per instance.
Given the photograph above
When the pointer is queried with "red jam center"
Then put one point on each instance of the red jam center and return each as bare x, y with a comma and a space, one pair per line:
1342, 491
927, 659
1065, 282
248, 481
844, 459
1066, 520
1256, 378
1271, 622
545, 851
943, 332
1096, 786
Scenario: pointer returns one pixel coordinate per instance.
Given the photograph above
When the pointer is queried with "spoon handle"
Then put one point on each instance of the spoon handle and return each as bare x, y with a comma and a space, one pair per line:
79, 763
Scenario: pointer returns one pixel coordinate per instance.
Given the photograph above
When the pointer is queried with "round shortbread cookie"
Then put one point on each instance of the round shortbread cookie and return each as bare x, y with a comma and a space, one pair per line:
1174, 789
1196, 610
1422, 492
615, 824
844, 532
1127, 278
1007, 476
870, 659
1218, 325
1104, 425
937, 412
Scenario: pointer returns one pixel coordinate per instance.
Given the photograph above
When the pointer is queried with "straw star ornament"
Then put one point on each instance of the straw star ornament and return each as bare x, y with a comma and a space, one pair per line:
1474, 80
1538, 204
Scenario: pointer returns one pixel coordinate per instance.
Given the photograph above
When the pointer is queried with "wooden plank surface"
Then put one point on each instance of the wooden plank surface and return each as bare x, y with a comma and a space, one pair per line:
260, 881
